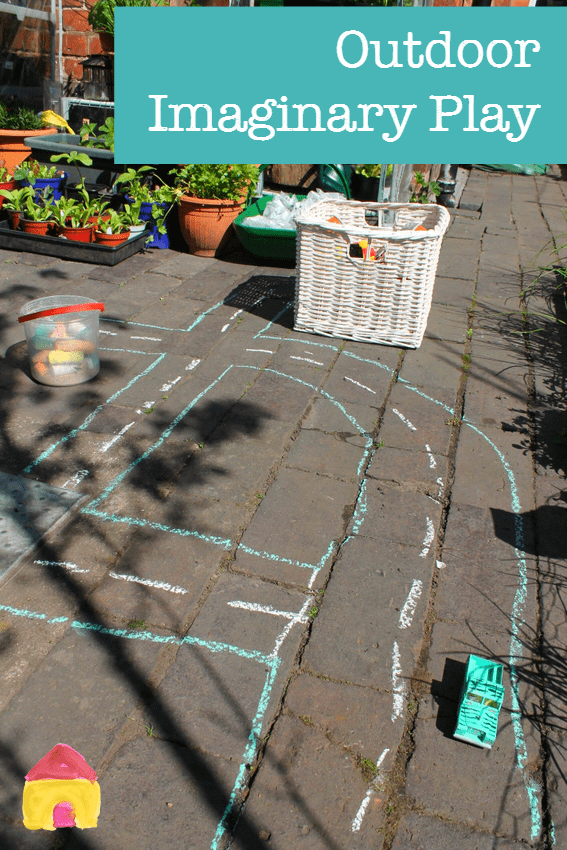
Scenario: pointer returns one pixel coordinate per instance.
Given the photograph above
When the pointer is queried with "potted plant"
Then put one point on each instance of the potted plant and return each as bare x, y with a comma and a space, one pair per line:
209, 198
112, 230
17, 122
131, 217
36, 212
13, 201
40, 177
366, 181
153, 203
101, 17
7, 182
95, 143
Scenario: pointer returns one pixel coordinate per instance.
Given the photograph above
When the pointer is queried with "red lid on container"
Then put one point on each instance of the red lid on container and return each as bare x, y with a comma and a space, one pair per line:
56, 311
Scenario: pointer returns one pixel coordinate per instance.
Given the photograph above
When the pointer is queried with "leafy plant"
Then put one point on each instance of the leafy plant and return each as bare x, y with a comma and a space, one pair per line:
162, 197
113, 222
222, 182
32, 171
15, 115
5, 176
424, 188
15, 198
101, 16
36, 206
371, 170
67, 212
105, 138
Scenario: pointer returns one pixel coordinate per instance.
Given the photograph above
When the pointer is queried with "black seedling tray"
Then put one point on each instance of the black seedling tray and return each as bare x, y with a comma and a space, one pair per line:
84, 252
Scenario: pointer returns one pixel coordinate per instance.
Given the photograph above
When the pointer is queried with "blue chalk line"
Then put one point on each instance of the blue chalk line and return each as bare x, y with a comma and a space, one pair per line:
92, 415
517, 620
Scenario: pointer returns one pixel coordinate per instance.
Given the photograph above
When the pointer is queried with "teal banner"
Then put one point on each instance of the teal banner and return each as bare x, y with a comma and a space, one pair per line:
296, 85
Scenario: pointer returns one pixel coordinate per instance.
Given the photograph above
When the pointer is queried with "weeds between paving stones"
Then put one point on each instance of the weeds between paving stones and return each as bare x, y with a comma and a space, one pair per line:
368, 769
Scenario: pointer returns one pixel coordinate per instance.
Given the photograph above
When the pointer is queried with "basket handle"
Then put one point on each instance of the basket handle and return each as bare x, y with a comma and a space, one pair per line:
56, 311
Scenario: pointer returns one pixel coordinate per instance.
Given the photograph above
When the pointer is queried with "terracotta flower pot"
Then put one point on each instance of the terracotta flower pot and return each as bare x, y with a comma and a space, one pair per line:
14, 218
78, 234
12, 148
111, 240
8, 186
37, 228
205, 222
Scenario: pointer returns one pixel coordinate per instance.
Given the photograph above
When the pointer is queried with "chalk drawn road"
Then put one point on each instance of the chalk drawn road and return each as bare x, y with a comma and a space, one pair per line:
263, 604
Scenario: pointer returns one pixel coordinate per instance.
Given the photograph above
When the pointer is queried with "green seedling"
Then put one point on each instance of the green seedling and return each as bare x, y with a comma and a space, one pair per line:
313, 611
150, 731
136, 624
368, 768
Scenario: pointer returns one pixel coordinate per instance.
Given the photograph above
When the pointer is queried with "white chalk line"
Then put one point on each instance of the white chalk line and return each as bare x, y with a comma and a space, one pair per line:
398, 686
149, 338
67, 565
357, 822
404, 420
407, 612
108, 333
265, 609
106, 446
263, 350
306, 360
225, 327
362, 386
432, 461
76, 479
160, 585
428, 539
530, 785
195, 362
169, 384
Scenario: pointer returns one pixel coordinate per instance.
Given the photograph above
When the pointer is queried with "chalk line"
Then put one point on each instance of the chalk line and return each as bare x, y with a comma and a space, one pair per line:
306, 360
92, 415
362, 386
160, 585
432, 461
398, 685
169, 384
357, 822
106, 446
67, 565
265, 609
407, 612
428, 539
404, 420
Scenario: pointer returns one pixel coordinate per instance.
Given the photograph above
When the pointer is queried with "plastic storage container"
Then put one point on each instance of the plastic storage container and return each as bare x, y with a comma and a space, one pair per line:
62, 339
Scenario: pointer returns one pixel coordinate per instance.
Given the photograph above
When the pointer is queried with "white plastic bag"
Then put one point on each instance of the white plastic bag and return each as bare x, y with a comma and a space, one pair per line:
282, 211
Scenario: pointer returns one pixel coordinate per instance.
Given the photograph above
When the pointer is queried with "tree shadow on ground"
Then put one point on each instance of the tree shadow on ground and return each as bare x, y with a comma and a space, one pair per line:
214, 421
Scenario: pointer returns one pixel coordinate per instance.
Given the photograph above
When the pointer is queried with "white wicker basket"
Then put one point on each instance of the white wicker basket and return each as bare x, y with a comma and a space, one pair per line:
384, 298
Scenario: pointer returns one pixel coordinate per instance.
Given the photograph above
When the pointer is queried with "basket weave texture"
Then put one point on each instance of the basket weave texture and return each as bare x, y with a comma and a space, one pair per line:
385, 299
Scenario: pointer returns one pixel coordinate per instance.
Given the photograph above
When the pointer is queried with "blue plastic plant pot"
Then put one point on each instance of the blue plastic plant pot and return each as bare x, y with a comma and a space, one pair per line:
160, 240
57, 184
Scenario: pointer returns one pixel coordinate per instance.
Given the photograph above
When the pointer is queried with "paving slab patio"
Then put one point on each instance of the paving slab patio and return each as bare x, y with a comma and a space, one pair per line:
254, 621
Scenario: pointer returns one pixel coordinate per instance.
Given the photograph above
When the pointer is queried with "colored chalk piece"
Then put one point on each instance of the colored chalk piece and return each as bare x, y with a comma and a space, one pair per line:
83, 345
65, 356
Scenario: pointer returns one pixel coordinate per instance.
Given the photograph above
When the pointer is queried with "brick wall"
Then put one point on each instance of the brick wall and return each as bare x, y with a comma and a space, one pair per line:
79, 42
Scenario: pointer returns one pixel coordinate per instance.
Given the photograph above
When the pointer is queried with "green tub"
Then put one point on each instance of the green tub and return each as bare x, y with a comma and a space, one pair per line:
262, 241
